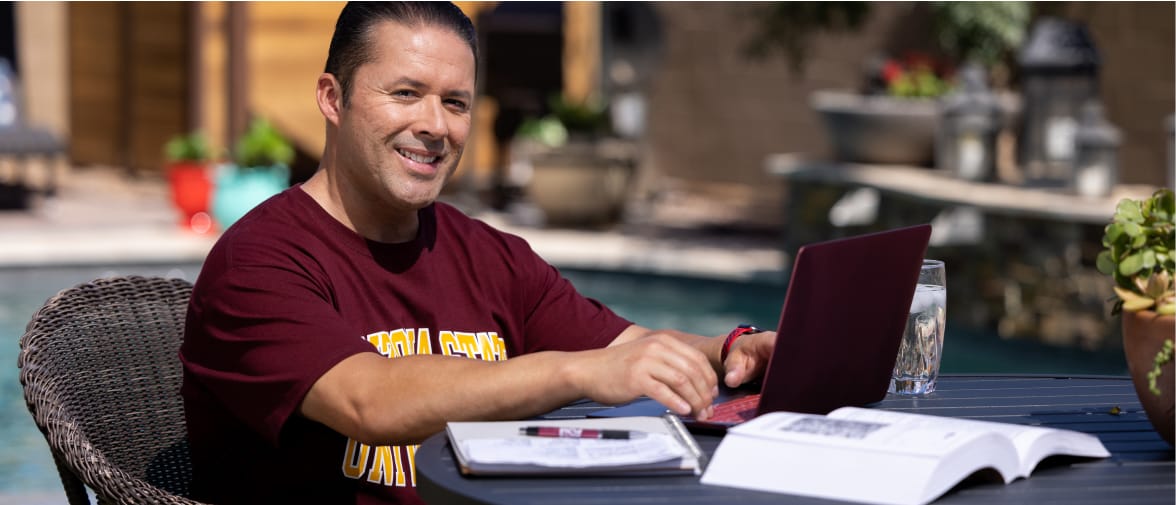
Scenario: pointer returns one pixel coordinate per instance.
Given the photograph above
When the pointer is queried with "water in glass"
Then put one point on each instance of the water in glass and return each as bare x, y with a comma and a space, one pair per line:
917, 366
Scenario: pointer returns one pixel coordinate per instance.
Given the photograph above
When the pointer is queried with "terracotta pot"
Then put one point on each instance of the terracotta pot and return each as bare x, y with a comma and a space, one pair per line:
1144, 333
191, 190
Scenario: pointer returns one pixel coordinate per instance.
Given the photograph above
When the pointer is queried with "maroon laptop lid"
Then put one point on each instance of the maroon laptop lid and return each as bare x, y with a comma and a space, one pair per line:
842, 322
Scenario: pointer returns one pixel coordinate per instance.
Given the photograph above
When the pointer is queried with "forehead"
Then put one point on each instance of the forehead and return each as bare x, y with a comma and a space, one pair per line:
416, 47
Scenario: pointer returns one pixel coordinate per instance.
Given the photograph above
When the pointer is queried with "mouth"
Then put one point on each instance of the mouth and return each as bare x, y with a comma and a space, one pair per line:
426, 158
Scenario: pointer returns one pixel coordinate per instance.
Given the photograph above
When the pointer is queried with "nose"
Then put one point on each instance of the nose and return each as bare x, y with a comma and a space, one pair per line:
431, 120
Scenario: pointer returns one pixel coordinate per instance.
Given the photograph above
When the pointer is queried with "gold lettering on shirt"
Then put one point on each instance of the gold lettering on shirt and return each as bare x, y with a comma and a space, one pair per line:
355, 459
401, 342
412, 450
424, 344
486, 346
383, 467
396, 465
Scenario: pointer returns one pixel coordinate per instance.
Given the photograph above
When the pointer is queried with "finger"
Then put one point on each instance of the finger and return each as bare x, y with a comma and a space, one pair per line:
748, 361
684, 386
662, 394
736, 370
685, 370
704, 378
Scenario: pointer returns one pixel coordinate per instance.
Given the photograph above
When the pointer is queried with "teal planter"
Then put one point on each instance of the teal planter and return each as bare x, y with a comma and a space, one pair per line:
240, 190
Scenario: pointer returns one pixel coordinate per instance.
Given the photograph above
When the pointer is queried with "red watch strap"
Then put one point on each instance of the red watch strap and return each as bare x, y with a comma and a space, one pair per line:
739, 331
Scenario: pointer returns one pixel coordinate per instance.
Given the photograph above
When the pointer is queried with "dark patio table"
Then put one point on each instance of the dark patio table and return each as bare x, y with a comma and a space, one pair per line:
1140, 469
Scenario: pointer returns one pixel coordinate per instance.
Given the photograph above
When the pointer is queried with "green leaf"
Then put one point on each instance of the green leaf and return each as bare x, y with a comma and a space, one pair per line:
1112, 234
1104, 263
1128, 211
1131, 264
1132, 229
1149, 259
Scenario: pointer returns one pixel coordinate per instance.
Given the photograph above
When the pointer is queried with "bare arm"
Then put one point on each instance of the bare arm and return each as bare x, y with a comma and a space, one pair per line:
403, 400
384, 401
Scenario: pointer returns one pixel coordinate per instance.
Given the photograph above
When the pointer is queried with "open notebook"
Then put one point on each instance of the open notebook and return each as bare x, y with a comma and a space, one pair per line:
660, 446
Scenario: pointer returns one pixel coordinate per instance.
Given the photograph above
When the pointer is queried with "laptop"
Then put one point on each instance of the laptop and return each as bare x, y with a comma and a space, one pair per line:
843, 317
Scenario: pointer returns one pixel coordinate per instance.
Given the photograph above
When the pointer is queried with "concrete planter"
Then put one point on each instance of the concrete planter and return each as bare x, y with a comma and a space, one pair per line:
878, 129
578, 185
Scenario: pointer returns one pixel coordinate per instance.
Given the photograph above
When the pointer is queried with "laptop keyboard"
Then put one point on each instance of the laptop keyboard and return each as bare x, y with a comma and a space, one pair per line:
735, 411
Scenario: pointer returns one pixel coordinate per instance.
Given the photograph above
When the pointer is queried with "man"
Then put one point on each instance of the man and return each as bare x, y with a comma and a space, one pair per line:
332, 328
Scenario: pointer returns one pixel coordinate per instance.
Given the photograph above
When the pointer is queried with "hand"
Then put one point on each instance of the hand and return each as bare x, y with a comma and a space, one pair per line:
748, 358
658, 365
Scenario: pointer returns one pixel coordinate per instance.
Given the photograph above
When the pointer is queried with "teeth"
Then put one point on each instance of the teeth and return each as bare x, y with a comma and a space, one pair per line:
416, 157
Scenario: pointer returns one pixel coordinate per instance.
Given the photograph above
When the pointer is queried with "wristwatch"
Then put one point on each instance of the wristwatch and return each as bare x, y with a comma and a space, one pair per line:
739, 331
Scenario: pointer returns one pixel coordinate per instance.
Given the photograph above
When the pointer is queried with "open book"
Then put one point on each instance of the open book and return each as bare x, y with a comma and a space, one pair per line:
883, 457
657, 445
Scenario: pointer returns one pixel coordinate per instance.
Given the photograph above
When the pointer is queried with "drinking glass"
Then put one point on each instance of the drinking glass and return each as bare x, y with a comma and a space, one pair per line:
921, 351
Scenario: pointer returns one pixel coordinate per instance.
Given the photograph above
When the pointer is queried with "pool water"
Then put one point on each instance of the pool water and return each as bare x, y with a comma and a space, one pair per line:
713, 307
27, 474
707, 307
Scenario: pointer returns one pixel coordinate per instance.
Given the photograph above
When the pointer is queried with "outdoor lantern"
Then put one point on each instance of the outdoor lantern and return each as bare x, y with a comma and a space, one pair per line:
1096, 146
966, 142
1059, 73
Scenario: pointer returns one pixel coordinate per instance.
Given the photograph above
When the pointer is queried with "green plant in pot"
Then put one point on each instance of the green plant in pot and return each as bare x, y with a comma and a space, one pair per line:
1140, 255
188, 156
568, 120
575, 181
260, 169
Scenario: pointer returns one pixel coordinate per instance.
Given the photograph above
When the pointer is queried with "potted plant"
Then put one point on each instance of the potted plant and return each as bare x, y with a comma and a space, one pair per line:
188, 156
894, 119
1140, 255
576, 179
260, 169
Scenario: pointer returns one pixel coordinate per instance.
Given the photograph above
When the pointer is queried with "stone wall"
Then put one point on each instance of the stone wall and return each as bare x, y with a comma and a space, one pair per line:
715, 114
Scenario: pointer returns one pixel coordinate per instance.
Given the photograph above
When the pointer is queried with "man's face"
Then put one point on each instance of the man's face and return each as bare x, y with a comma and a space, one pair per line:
402, 134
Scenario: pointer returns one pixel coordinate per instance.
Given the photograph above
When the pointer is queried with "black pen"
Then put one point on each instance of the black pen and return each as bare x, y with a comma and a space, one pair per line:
567, 432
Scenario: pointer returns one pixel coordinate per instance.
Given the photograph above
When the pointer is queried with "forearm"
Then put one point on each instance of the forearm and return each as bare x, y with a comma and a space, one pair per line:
380, 401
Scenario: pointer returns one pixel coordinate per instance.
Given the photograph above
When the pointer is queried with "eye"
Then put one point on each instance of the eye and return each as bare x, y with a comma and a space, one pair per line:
457, 104
405, 93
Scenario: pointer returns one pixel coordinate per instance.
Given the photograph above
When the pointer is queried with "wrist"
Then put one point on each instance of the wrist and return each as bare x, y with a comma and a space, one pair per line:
729, 342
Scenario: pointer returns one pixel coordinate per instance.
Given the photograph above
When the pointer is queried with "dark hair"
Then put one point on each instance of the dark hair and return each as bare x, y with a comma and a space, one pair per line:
351, 43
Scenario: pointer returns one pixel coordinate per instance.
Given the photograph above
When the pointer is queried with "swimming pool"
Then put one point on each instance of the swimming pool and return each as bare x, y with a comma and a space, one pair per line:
708, 307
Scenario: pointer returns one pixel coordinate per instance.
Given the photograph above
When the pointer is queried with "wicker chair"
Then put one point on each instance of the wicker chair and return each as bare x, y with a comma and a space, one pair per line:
101, 377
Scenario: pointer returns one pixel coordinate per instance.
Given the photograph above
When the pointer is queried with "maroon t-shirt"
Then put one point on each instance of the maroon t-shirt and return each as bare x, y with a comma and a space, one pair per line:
288, 292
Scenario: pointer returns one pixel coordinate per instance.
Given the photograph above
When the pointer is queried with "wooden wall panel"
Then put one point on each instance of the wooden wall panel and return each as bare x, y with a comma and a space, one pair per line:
96, 78
158, 61
288, 44
128, 81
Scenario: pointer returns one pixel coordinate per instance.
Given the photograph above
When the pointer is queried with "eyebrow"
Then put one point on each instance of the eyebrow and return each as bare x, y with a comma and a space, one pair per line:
413, 83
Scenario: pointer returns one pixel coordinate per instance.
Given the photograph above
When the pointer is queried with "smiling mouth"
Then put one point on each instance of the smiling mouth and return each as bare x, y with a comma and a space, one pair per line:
419, 158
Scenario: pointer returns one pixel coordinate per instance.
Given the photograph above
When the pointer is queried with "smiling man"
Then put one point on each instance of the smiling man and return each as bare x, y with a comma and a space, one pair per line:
343, 321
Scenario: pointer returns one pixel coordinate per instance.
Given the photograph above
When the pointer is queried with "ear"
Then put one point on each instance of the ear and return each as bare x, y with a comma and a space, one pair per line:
329, 95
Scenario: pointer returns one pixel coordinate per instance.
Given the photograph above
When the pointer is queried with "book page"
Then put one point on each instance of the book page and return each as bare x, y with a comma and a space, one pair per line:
887, 460
883, 434
1033, 443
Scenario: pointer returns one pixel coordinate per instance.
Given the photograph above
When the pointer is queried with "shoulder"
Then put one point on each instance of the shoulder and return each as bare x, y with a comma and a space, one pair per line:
289, 228
452, 220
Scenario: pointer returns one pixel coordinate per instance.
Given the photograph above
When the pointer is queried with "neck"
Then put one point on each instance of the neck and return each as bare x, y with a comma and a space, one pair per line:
370, 219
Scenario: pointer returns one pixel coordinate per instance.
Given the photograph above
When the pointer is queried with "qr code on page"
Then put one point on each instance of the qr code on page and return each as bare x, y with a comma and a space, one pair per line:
832, 427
